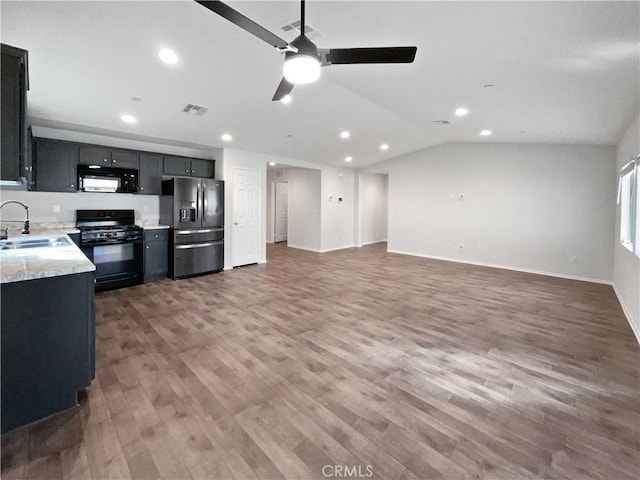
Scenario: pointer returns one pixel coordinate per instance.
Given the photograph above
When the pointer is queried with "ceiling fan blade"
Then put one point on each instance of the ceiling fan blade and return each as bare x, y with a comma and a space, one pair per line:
371, 55
243, 22
283, 90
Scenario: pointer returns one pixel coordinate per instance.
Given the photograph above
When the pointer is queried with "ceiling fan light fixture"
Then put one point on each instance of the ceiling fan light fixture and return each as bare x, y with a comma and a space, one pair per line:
301, 69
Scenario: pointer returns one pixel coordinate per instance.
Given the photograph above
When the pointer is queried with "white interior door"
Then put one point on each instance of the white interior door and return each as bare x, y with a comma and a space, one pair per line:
246, 217
282, 211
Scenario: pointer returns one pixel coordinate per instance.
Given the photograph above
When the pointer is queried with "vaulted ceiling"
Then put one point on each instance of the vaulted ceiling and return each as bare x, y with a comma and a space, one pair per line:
562, 72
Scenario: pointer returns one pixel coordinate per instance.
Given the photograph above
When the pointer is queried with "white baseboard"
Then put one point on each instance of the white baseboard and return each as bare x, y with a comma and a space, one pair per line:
315, 250
635, 328
372, 242
337, 248
227, 268
506, 267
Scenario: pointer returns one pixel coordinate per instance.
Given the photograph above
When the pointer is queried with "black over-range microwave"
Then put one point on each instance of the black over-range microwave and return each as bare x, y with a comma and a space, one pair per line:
95, 178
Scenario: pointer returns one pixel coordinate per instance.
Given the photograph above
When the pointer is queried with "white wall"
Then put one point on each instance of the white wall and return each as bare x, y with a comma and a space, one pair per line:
529, 207
251, 160
304, 209
626, 266
372, 208
337, 216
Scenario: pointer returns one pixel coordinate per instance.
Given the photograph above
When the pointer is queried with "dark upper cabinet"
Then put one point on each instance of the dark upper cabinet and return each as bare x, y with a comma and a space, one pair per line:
125, 159
156, 254
188, 167
105, 156
177, 166
90, 155
14, 161
150, 174
55, 165
201, 168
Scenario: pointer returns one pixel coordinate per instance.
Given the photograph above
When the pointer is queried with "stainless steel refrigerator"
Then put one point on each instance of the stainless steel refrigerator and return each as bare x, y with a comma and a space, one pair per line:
194, 207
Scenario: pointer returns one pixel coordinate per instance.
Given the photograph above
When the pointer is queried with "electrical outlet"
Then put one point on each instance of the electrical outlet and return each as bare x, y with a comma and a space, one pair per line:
478, 248
460, 247
574, 259
56, 209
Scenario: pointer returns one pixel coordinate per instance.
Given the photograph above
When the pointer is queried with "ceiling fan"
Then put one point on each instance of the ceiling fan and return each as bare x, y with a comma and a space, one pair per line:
303, 59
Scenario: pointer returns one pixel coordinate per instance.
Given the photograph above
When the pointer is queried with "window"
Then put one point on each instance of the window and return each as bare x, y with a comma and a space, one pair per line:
629, 210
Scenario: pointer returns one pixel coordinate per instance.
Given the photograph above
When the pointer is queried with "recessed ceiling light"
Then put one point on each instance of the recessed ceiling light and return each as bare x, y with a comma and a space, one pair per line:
485, 133
345, 134
128, 118
461, 112
168, 56
286, 99
348, 159
273, 164
226, 137
384, 146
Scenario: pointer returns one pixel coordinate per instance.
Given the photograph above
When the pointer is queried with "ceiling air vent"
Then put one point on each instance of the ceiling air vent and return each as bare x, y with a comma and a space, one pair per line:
294, 29
192, 109
441, 122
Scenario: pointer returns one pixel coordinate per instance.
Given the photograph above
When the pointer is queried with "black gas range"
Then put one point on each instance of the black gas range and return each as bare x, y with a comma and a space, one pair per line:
114, 243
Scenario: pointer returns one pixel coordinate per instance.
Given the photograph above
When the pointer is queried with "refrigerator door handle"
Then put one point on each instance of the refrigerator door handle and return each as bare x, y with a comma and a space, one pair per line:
204, 200
197, 245
204, 230
198, 211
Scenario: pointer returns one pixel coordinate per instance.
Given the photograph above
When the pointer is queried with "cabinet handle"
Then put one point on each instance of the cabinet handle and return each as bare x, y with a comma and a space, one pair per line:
157, 235
72, 185
114, 161
105, 160
186, 171
147, 247
141, 188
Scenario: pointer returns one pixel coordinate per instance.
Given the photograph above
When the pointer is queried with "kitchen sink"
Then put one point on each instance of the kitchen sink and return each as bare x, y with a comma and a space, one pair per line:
34, 243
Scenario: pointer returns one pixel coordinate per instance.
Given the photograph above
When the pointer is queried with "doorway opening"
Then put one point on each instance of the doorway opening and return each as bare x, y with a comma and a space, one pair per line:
293, 207
373, 208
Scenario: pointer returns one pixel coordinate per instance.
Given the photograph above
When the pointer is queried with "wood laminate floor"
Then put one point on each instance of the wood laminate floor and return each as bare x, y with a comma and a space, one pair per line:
394, 366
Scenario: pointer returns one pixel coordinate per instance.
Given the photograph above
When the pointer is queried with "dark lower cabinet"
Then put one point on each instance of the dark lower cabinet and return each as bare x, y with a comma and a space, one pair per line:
48, 346
156, 254
150, 174
55, 165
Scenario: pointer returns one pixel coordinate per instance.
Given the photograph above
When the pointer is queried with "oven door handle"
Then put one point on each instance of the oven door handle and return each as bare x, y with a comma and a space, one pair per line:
197, 245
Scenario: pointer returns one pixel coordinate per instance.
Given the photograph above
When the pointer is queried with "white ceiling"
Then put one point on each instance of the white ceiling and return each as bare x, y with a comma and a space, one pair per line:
564, 72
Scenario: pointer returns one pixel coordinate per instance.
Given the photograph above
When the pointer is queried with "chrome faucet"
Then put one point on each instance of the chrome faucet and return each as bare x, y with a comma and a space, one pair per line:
25, 230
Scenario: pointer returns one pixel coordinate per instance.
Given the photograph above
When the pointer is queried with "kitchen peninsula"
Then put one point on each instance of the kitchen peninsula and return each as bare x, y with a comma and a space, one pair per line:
48, 326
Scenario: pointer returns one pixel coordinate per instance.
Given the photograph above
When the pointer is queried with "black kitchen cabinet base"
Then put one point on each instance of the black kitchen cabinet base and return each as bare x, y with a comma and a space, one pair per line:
156, 254
48, 346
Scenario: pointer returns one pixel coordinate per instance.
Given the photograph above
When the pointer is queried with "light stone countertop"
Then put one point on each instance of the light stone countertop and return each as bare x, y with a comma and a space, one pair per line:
21, 264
